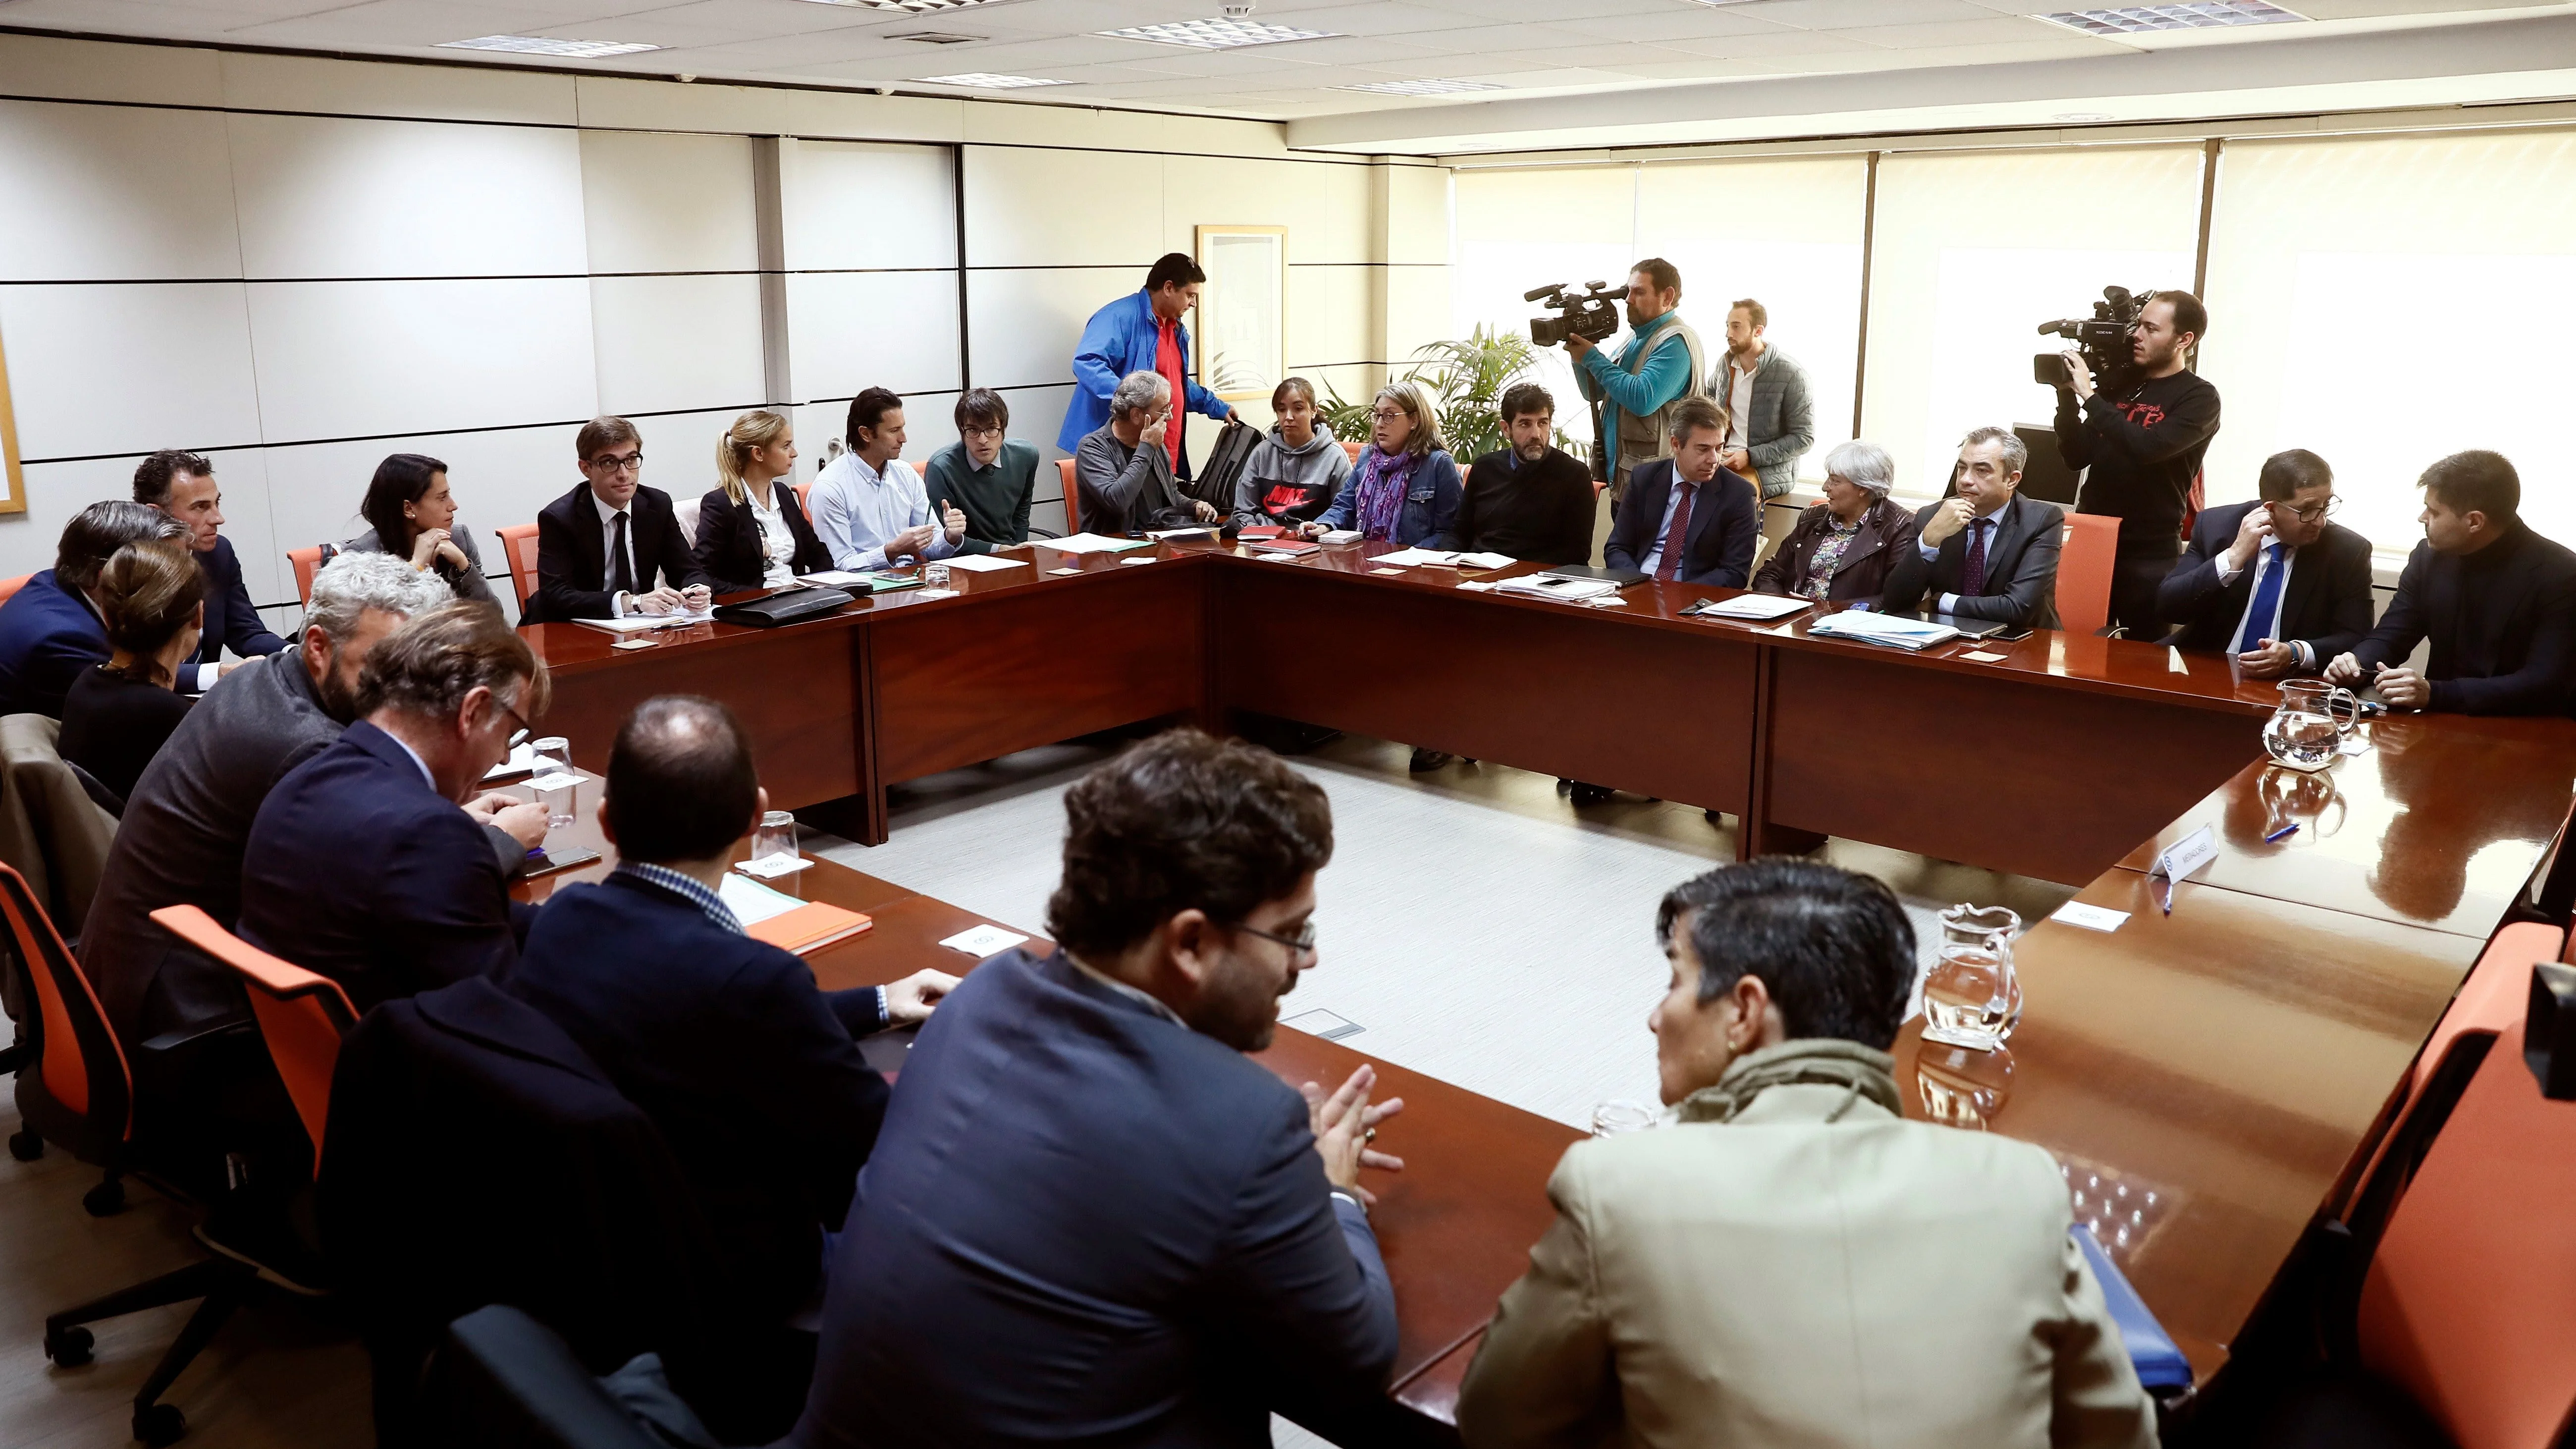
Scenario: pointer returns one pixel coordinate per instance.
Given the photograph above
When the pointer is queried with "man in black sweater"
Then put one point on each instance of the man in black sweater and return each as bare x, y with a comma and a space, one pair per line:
1528, 499
2497, 600
2144, 448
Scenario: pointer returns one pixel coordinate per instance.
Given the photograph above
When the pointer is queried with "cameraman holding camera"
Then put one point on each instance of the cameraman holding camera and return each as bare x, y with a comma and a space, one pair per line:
1661, 365
2143, 438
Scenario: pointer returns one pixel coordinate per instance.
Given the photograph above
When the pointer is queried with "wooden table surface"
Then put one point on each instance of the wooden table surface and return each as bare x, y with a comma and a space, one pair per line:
2234, 1059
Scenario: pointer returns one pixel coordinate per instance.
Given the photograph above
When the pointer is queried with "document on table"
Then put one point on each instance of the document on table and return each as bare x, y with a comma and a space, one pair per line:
639, 623
984, 563
1091, 543
522, 761
1554, 586
1888, 629
983, 941
1405, 558
1758, 608
750, 901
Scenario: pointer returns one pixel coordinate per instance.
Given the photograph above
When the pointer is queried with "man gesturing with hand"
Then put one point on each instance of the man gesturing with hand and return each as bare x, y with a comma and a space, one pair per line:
1089, 1218
2273, 581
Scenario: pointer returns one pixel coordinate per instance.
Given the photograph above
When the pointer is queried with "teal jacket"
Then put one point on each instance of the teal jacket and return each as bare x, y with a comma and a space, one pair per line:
1665, 375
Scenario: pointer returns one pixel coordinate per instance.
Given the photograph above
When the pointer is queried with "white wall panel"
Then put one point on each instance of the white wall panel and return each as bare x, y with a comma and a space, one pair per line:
679, 453
1036, 414
666, 343
1324, 207
346, 359
444, 92
1417, 311
653, 201
129, 367
500, 478
331, 197
852, 205
99, 192
852, 330
1024, 324
1328, 315
1037, 208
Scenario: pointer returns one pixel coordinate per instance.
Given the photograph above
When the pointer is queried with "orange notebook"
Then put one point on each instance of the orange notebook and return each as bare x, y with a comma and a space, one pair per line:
809, 927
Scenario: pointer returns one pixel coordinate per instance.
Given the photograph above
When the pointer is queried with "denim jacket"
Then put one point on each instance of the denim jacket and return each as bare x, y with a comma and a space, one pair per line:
1430, 502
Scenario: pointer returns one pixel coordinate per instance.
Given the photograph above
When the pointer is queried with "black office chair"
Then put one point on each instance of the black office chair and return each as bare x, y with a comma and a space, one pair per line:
502, 1380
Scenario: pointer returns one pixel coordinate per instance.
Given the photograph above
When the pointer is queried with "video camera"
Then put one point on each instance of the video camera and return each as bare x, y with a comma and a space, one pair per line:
2103, 340
1593, 315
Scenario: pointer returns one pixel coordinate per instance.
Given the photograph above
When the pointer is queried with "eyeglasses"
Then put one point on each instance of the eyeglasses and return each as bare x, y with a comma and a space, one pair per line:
629, 463
994, 432
2313, 511
519, 735
1303, 942
1387, 415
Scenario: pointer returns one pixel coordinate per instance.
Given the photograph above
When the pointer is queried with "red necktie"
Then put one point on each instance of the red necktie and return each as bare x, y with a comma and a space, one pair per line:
1974, 583
1678, 533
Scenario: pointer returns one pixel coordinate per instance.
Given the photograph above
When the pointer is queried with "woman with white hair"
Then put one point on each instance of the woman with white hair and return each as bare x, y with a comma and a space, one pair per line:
1406, 488
1840, 551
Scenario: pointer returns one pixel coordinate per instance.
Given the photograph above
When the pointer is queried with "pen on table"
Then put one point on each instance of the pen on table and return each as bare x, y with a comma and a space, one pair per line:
2284, 833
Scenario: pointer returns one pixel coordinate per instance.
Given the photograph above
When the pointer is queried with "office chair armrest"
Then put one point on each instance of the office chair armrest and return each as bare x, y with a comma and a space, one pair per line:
186, 1039
1044, 533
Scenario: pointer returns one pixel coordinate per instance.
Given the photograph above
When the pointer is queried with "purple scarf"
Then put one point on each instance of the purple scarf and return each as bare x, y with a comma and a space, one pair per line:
1381, 489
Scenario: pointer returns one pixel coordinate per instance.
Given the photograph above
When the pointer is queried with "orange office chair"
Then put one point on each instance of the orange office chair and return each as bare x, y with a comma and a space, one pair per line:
1354, 450
302, 1015
9, 587
805, 498
519, 546
307, 562
2084, 572
1072, 497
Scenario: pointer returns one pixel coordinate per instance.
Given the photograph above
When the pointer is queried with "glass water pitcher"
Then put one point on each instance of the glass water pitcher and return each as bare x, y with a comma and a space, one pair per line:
1971, 998
2311, 723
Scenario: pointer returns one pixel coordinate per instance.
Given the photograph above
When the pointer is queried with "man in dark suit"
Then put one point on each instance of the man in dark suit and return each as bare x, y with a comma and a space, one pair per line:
360, 866
749, 1070
1987, 552
183, 486
2271, 581
1715, 515
1088, 1218
2496, 600
601, 546
50, 630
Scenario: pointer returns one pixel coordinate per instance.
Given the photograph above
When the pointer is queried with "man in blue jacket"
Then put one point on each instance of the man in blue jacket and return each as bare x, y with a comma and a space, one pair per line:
1088, 1218
1141, 332
1660, 364
183, 486
50, 630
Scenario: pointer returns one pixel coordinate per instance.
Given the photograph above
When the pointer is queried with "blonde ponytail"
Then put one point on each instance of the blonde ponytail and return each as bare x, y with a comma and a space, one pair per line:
749, 434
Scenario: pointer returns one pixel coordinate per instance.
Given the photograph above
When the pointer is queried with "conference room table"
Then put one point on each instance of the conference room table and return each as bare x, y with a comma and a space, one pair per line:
2209, 1078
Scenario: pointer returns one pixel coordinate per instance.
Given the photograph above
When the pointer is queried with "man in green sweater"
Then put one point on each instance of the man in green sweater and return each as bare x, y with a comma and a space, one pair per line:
985, 475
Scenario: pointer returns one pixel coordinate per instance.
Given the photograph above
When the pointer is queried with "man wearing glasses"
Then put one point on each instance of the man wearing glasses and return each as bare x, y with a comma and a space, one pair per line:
985, 475
601, 547
2273, 582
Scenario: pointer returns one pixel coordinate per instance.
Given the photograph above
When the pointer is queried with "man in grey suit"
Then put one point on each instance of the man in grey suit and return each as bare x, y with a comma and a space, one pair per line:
182, 836
1772, 424
1986, 552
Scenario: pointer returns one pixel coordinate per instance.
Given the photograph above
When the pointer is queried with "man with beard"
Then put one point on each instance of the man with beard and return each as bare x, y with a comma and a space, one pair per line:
184, 830
1527, 498
1660, 365
2142, 447
1087, 1217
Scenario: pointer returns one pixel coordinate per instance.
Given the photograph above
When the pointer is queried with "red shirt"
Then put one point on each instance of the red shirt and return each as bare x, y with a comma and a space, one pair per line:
1167, 361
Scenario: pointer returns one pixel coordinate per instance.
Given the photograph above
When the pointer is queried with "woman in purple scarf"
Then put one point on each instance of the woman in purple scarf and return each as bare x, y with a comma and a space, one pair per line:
1406, 488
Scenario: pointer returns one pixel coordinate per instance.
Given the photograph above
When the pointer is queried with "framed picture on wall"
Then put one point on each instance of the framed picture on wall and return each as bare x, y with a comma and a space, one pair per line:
1242, 335
11, 477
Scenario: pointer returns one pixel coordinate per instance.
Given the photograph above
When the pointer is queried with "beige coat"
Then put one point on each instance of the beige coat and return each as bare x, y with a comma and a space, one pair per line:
1781, 1280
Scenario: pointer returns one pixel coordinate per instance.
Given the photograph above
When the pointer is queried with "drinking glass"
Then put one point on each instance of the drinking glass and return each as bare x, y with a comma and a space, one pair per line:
560, 802
554, 756
2311, 723
934, 576
776, 836
1971, 998
1618, 1118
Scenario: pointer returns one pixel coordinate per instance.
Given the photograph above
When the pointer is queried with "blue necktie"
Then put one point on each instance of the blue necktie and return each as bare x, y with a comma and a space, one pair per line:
2263, 620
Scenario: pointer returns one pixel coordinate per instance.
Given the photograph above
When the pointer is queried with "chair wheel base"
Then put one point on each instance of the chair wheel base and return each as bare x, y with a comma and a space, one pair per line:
105, 1200
69, 1348
26, 1146
160, 1424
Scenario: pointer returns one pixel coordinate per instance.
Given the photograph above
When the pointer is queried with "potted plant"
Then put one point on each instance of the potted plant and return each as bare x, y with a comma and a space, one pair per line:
1466, 378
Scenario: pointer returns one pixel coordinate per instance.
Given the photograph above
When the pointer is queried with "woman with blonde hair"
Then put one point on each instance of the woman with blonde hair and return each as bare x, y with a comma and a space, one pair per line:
751, 532
1406, 488
152, 597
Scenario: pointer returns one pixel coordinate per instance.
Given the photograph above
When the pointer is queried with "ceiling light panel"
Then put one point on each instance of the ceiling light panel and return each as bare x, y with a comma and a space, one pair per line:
1221, 33
1419, 87
936, 37
987, 81
907, 7
2200, 15
545, 45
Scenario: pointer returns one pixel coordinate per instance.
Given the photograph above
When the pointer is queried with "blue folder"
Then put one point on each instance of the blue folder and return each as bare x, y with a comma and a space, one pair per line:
2160, 1365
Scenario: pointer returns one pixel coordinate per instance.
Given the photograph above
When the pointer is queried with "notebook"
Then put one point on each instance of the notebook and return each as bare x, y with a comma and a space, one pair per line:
784, 921
2159, 1363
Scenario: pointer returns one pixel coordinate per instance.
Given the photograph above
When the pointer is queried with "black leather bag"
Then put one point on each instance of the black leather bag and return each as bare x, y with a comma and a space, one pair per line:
1217, 476
791, 606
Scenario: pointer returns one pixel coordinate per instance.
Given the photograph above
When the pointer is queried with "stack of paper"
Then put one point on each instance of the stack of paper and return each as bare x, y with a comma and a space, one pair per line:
784, 921
1755, 608
1553, 586
638, 623
522, 761
1432, 558
984, 563
1091, 543
1867, 627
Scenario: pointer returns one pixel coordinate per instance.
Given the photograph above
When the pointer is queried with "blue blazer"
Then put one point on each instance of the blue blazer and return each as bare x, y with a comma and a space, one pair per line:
357, 869
1725, 526
1086, 1223
1431, 501
1119, 339
231, 622
749, 1070
48, 635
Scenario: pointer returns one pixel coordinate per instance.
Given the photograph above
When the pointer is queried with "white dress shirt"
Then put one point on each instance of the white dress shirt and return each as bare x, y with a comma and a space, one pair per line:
776, 538
857, 510
1739, 399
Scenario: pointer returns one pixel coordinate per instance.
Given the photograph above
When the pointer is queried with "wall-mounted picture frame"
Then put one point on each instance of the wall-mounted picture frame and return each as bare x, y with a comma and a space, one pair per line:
1243, 332
11, 475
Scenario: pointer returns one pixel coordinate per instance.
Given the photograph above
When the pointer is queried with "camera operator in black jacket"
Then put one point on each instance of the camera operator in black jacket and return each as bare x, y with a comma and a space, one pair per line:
2143, 439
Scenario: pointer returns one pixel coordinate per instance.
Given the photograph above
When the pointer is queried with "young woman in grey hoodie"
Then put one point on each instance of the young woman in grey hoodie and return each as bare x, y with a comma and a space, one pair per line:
1294, 473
